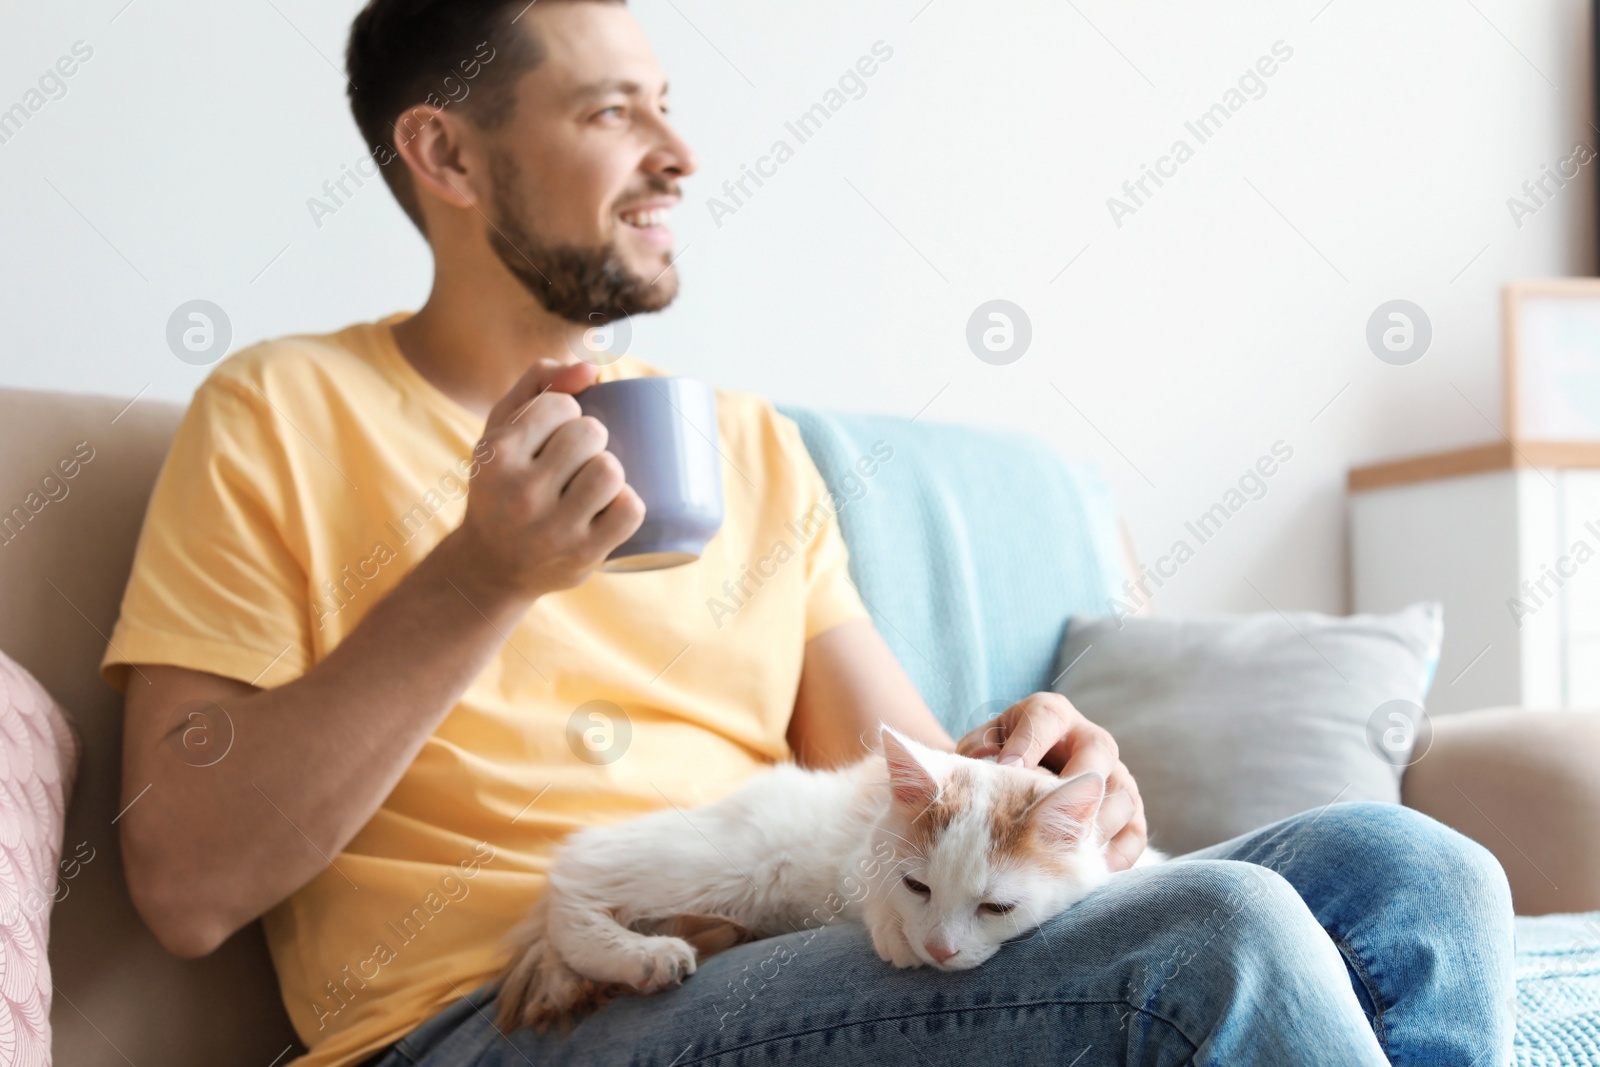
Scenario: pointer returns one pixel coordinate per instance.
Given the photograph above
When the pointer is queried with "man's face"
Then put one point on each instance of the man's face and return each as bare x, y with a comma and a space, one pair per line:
586, 169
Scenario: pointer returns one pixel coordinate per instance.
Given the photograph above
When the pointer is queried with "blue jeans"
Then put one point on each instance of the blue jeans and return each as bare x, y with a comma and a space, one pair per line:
1356, 934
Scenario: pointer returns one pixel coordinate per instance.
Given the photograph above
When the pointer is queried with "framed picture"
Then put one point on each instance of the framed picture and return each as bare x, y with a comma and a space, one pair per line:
1552, 360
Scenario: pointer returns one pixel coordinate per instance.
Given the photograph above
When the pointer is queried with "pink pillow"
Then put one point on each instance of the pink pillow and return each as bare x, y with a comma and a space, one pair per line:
39, 749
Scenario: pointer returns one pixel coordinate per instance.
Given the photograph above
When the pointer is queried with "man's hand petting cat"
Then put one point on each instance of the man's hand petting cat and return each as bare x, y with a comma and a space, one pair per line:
547, 503
1045, 730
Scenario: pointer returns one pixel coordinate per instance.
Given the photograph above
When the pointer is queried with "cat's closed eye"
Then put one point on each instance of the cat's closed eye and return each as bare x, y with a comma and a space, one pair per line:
997, 909
917, 887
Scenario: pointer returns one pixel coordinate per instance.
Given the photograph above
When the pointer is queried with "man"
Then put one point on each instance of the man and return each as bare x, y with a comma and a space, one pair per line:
365, 635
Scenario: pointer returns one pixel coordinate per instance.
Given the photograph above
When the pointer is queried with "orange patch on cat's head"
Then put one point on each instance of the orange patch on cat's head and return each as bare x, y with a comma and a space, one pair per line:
928, 800
955, 795
1034, 820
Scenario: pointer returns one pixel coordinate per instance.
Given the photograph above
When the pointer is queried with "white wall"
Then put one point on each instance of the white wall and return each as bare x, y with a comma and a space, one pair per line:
1220, 318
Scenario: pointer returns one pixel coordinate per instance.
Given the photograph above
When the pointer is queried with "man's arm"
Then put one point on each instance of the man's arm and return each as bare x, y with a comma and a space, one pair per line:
208, 849
850, 684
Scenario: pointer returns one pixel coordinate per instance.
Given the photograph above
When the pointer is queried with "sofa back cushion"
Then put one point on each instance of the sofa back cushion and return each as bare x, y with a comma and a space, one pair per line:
76, 475
970, 547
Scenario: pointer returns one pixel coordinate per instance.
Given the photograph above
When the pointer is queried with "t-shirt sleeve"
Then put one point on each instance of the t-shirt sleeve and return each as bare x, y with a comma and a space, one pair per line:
831, 596
217, 583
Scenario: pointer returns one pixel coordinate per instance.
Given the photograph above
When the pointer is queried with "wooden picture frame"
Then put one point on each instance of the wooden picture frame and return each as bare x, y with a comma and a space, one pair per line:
1551, 360
1526, 443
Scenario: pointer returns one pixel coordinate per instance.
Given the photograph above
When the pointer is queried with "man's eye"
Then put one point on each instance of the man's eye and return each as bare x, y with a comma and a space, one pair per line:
617, 108
917, 887
997, 909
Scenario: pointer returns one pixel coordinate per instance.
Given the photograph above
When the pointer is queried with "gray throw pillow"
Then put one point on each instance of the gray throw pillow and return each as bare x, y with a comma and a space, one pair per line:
1228, 723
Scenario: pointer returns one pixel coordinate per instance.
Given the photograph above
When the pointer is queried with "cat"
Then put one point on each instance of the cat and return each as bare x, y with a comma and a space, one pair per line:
942, 857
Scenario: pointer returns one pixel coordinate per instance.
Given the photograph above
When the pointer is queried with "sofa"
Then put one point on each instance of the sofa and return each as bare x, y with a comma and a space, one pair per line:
1520, 781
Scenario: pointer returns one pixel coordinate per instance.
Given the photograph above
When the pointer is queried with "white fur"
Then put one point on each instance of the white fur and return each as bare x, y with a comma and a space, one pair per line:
907, 927
792, 849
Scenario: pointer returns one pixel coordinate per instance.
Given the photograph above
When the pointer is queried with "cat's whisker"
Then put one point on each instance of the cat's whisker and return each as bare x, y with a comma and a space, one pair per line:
1038, 927
915, 850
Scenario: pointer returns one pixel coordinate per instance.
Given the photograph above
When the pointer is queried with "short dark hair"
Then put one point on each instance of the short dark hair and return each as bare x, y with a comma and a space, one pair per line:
468, 53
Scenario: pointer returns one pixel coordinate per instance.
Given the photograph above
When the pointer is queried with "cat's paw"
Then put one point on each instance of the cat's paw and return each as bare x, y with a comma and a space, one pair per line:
661, 962
892, 947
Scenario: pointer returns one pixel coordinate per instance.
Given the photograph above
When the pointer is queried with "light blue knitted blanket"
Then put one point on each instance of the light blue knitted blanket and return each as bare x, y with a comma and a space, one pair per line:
972, 548
1558, 990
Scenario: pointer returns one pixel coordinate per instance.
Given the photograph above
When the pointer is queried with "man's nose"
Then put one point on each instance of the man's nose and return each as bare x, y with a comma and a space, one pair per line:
672, 157
941, 953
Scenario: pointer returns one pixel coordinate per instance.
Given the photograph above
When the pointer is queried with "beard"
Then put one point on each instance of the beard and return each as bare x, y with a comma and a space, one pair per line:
590, 285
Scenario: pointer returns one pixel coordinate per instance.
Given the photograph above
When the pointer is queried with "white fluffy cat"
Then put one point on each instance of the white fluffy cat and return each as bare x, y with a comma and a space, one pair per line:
942, 857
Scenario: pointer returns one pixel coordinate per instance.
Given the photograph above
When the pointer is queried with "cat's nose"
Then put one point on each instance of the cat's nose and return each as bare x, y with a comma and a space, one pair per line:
939, 952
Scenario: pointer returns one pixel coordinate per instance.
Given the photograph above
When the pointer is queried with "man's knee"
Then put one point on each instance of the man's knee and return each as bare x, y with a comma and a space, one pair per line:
1237, 951
1401, 845
1251, 901
1224, 919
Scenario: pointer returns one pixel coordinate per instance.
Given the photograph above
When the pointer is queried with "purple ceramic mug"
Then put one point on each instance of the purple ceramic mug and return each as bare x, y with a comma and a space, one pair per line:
664, 432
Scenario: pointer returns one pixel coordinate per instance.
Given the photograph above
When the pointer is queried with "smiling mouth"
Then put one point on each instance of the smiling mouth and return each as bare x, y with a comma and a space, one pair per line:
648, 222
652, 218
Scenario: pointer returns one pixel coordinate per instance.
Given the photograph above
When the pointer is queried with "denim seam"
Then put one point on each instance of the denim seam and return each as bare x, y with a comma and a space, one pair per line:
1378, 1005
943, 1012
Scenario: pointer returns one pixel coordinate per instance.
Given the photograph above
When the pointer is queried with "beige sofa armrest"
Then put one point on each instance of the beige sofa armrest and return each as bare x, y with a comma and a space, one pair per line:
1525, 784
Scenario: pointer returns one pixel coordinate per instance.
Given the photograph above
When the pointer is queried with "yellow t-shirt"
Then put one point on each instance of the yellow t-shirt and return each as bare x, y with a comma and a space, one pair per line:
309, 475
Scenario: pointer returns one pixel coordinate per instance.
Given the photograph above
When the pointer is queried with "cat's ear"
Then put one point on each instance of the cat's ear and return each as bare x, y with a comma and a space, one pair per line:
1069, 811
911, 783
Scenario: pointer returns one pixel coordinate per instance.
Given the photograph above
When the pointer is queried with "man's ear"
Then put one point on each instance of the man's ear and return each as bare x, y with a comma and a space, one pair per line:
1068, 812
910, 781
429, 141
